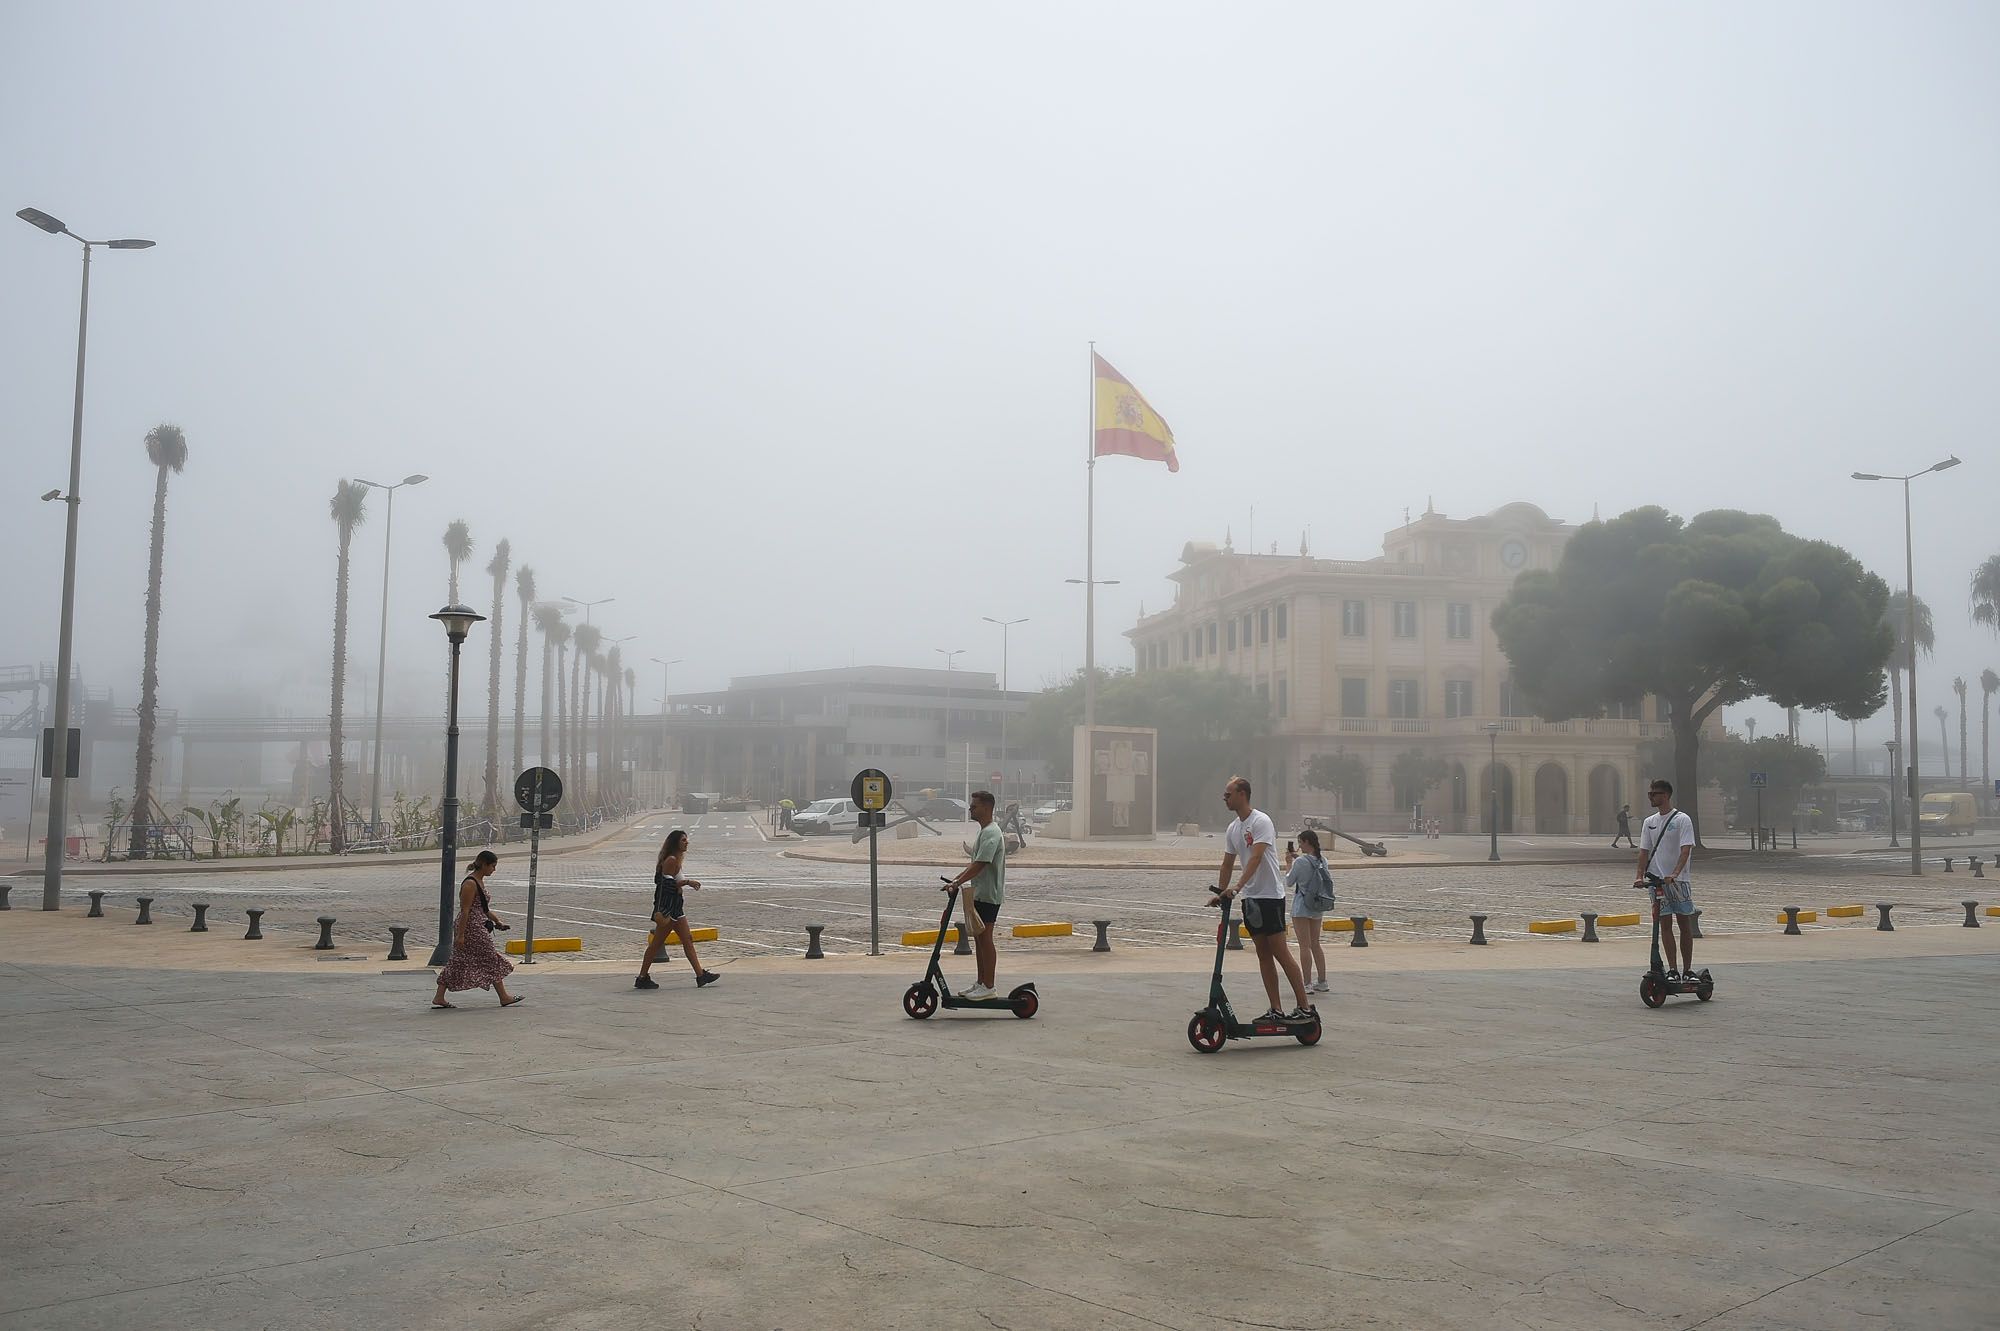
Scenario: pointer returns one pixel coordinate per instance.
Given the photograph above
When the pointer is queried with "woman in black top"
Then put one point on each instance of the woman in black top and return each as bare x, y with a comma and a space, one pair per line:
670, 913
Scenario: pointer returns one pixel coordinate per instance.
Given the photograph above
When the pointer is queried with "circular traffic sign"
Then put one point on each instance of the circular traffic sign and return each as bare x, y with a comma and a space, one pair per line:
538, 790
871, 790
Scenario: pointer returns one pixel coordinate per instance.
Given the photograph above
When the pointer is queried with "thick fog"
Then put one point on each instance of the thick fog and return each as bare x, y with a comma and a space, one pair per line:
772, 321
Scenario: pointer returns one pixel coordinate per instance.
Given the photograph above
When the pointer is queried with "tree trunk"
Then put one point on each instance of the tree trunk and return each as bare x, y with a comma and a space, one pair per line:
149, 678
543, 753
1963, 773
336, 816
520, 685
493, 694
562, 717
1985, 744
1687, 744
1900, 754
1944, 744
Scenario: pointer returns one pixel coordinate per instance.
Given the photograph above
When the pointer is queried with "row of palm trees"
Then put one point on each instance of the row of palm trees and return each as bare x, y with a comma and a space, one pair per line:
593, 686
1985, 611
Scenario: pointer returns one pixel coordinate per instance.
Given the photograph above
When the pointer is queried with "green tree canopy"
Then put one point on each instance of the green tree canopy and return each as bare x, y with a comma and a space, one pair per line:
1788, 768
1414, 775
1338, 771
1207, 722
1703, 612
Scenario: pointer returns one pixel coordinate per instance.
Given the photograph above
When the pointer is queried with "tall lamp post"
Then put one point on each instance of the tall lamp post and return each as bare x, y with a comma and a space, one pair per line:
382, 646
59, 769
586, 605
1910, 636
458, 621
665, 666
950, 658
1004, 624
1493, 790
1890, 745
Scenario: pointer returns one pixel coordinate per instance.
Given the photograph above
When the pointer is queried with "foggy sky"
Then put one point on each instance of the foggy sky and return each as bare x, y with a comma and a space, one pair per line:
771, 320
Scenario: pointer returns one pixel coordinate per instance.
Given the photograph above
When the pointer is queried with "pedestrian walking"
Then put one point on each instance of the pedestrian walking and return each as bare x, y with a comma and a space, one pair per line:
1625, 827
1312, 897
670, 913
475, 963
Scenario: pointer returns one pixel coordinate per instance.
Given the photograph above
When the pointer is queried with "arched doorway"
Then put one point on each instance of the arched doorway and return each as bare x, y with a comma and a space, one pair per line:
1606, 794
1551, 799
1461, 797
1505, 785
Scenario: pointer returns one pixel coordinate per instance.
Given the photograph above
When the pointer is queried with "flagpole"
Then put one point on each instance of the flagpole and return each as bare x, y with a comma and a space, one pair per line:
1090, 550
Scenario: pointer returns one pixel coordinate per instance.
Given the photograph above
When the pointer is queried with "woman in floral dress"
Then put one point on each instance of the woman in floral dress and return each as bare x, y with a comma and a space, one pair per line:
475, 963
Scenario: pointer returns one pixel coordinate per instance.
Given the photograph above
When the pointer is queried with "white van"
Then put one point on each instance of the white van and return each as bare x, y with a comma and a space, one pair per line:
825, 817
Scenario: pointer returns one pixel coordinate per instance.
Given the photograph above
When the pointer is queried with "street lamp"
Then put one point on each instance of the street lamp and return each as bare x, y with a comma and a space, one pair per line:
588, 604
382, 648
1493, 790
1004, 624
665, 666
1890, 745
59, 769
950, 657
1090, 586
458, 621
1910, 635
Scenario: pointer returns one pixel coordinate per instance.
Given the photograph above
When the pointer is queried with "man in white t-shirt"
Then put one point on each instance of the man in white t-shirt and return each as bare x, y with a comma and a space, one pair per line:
1666, 842
1253, 837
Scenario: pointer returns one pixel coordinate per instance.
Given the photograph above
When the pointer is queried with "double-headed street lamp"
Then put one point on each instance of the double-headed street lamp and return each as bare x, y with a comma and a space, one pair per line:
382, 649
1493, 790
586, 605
665, 666
59, 768
1004, 624
458, 621
1910, 637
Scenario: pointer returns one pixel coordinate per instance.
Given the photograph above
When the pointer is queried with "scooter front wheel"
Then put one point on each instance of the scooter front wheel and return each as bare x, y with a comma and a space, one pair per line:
1706, 991
1026, 1004
920, 1000
1653, 991
1309, 1035
1205, 1032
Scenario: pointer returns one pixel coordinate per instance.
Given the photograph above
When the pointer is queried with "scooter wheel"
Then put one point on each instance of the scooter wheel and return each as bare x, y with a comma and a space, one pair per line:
1024, 1001
1205, 1032
1309, 1035
920, 1000
1653, 991
1706, 990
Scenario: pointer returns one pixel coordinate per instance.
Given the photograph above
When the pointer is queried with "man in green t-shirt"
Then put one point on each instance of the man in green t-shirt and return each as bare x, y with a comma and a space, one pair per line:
988, 875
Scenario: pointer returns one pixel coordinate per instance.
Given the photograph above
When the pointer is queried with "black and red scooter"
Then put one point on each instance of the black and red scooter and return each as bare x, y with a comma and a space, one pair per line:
1655, 988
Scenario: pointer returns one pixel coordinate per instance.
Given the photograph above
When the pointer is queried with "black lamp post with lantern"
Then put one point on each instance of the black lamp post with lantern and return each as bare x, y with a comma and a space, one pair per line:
458, 621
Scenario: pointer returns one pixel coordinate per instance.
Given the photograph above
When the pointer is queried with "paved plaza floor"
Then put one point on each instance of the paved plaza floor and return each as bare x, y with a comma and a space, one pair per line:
199, 1131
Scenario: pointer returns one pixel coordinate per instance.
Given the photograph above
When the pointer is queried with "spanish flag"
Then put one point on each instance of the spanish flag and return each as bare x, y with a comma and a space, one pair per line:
1127, 423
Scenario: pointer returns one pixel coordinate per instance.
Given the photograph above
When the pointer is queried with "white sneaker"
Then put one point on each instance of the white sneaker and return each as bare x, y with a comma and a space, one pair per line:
975, 991
1317, 987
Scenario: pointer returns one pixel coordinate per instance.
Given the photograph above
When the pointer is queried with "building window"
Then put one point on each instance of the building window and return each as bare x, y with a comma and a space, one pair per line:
1458, 697
1264, 625
1353, 619
1211, 640
1406, 619
1284, 697
1246, 628
1510, 700
1354, 697
1405, 698
1458, 620
1281, 622
1264, 692
1232, 635
1184, 647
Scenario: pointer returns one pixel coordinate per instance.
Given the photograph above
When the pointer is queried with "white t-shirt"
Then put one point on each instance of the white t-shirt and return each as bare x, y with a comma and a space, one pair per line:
1264, 882
1666, 843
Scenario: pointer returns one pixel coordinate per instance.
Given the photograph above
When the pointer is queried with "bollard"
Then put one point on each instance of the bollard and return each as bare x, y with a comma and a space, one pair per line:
1971, 914
1360, 938
964, 948
1103, 943
5, 888
1235, 943
325, 943
145, 911
96, 911
1697, 923
1590, 926
200, 925
1479, 931
1977, 872
813, 952
396, 952
1947, 863
256, 925
1792, 921
1885, 927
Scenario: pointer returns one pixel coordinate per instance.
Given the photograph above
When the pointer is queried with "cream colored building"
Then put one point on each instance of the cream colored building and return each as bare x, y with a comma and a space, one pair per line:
1383, 655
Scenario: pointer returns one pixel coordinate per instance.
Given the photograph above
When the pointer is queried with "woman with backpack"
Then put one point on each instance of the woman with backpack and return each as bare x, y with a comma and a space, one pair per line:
1311, 884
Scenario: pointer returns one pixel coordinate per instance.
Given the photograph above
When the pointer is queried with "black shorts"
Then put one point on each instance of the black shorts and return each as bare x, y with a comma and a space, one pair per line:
667, 899
1264, 915
989, 911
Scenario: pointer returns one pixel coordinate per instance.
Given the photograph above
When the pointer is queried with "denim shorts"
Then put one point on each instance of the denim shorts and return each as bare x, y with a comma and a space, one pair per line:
1676, 898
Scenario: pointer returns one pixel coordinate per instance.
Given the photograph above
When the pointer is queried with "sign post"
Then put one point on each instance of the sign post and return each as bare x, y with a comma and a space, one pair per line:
1757, 784
537, 790
871, 791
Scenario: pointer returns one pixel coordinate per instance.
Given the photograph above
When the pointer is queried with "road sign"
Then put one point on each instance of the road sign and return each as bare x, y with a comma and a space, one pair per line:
538, 790
872, 790
997, 777
1756, 779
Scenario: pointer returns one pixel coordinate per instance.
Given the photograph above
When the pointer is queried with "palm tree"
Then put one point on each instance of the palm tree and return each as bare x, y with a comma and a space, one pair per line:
560, 634
524, 587
166, 449
458, 549
609, 709
588, 638
632, 695
1989, 684
349, 509
1986, 593
503, 558
1896, 615
1944, 738
1958, 687
548, 619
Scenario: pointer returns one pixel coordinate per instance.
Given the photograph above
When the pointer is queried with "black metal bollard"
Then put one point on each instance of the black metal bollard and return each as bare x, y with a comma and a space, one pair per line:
5, 888
1479, 931
1885, 927
1103, 943
1971, 914
964, 948
145, 911
96, 911
256, 925
1235, 943
200, 925
1947, 863
1590, 926
1977, 872
813, 952
1360, 938
325, 943
1697, 923
1792, 920
396, 952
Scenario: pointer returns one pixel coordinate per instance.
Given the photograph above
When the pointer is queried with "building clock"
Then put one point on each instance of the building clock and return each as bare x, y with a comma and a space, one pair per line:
1513, 553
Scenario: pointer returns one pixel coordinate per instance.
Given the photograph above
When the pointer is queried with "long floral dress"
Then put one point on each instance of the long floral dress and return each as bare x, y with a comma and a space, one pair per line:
475, 963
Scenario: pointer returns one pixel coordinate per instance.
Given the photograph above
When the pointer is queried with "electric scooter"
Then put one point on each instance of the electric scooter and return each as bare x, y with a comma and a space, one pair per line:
1655, 988
922, 998
1217, 1023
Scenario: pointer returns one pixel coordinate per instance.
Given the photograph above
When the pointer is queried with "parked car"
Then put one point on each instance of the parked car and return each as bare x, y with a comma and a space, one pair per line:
1049, 810
944, 809
825, 817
